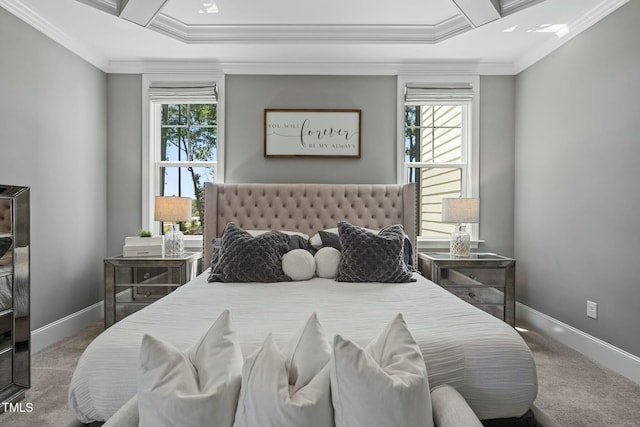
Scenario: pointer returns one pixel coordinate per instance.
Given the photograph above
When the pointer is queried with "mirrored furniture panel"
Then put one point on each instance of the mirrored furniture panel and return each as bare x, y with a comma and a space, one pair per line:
131, 283
15, 328
486, 280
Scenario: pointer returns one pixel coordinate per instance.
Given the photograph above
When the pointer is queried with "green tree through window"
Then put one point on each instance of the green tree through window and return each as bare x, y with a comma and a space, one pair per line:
188, 138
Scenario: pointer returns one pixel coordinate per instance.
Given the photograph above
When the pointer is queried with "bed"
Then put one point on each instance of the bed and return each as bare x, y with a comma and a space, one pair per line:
482, 357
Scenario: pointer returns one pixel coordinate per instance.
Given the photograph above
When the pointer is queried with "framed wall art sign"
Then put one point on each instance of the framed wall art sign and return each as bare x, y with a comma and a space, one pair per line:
312, 133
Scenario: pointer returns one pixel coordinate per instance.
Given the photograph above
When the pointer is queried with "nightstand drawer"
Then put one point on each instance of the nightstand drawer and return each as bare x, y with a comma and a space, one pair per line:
490, 277
477, 295
130, 293
131, 283
483, 279
152, 293
159, 281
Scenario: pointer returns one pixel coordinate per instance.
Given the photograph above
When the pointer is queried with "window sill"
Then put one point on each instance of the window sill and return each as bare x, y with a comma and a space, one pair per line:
429, 244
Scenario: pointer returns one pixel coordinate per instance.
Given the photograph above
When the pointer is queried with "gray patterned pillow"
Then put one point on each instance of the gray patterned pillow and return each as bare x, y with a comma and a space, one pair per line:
244, 258
331, 239
5, 244
369, 257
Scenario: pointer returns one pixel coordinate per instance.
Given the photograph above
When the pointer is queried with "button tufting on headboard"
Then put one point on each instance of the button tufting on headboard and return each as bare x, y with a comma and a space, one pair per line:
288, 207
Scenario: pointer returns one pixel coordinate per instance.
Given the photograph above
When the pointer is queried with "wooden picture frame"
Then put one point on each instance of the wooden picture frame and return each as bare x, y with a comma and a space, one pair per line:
312, 133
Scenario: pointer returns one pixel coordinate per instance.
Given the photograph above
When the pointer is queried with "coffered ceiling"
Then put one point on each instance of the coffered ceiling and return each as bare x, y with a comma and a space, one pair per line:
303, 36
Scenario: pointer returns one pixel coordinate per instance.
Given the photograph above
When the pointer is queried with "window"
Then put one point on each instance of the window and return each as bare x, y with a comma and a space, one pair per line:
438, 147
183, 146
187, 154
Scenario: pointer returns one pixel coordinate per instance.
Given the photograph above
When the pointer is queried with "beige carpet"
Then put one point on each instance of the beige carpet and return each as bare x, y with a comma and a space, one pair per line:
576, 392
51, 371
573, 391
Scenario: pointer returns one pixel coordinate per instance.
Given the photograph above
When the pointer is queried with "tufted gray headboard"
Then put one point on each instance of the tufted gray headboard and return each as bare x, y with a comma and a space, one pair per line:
307, 208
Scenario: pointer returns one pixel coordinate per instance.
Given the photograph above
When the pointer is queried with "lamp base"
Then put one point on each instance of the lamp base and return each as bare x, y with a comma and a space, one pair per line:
174, 242
460, 243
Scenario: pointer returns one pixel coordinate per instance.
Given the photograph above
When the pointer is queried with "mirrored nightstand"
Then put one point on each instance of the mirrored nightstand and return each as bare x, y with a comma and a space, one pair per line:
486, 280
131, 283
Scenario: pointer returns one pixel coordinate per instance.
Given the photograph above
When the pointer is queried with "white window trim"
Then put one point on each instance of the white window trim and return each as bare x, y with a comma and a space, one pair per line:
148, 156
473, 172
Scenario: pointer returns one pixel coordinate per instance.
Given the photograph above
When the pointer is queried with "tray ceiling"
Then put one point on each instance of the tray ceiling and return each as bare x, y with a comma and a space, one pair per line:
497, 36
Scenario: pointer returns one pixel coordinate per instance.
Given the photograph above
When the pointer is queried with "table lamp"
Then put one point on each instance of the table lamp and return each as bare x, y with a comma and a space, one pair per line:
173, 209
460, 211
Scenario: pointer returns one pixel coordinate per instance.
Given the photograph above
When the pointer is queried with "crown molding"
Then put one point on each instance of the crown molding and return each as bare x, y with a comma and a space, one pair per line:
28, 15
313, 68
333, 34
603, 9
112, 7
509, 7
368, 34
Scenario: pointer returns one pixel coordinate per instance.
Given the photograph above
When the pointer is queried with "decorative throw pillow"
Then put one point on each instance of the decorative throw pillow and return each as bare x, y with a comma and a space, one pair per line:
327, 261
244, 258
289, 388
297, 239
215, 256
5, 244
408, 253
370, 257
316, 240
255, 233
193, 388
384, 384
298, 242
299, 264
330, 238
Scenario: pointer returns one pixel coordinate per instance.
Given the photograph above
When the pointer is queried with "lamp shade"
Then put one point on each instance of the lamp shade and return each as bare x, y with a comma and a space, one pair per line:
172, 209
461, 210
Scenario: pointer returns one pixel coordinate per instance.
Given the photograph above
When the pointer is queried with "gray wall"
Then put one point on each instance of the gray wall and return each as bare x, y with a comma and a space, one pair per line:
497, 160
577, 197
124, 159
248, 96
53, 121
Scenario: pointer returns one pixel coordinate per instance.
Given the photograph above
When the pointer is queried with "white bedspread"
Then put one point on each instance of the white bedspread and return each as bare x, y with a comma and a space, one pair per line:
483, 358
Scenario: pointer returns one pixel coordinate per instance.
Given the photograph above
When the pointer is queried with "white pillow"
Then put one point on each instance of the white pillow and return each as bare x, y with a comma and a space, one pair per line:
384, 384
193, 388
327, 262
298, 264
289, 388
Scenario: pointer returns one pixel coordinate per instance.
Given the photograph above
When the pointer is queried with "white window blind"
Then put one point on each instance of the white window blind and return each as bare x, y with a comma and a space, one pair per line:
183, 93
432, 93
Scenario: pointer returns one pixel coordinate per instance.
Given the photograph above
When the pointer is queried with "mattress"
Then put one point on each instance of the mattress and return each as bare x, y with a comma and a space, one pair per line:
482, 357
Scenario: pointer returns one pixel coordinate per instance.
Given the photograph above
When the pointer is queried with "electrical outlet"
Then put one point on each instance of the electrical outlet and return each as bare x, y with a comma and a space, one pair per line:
592, 309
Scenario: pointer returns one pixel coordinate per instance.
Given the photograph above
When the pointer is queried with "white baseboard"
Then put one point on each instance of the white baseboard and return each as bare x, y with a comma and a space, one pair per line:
67, 326
607, 355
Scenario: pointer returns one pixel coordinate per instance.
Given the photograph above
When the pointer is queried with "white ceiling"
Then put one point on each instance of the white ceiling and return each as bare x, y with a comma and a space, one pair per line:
301, 36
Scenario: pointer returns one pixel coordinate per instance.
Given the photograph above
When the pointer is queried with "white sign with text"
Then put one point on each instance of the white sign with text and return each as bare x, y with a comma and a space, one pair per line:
312, 133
